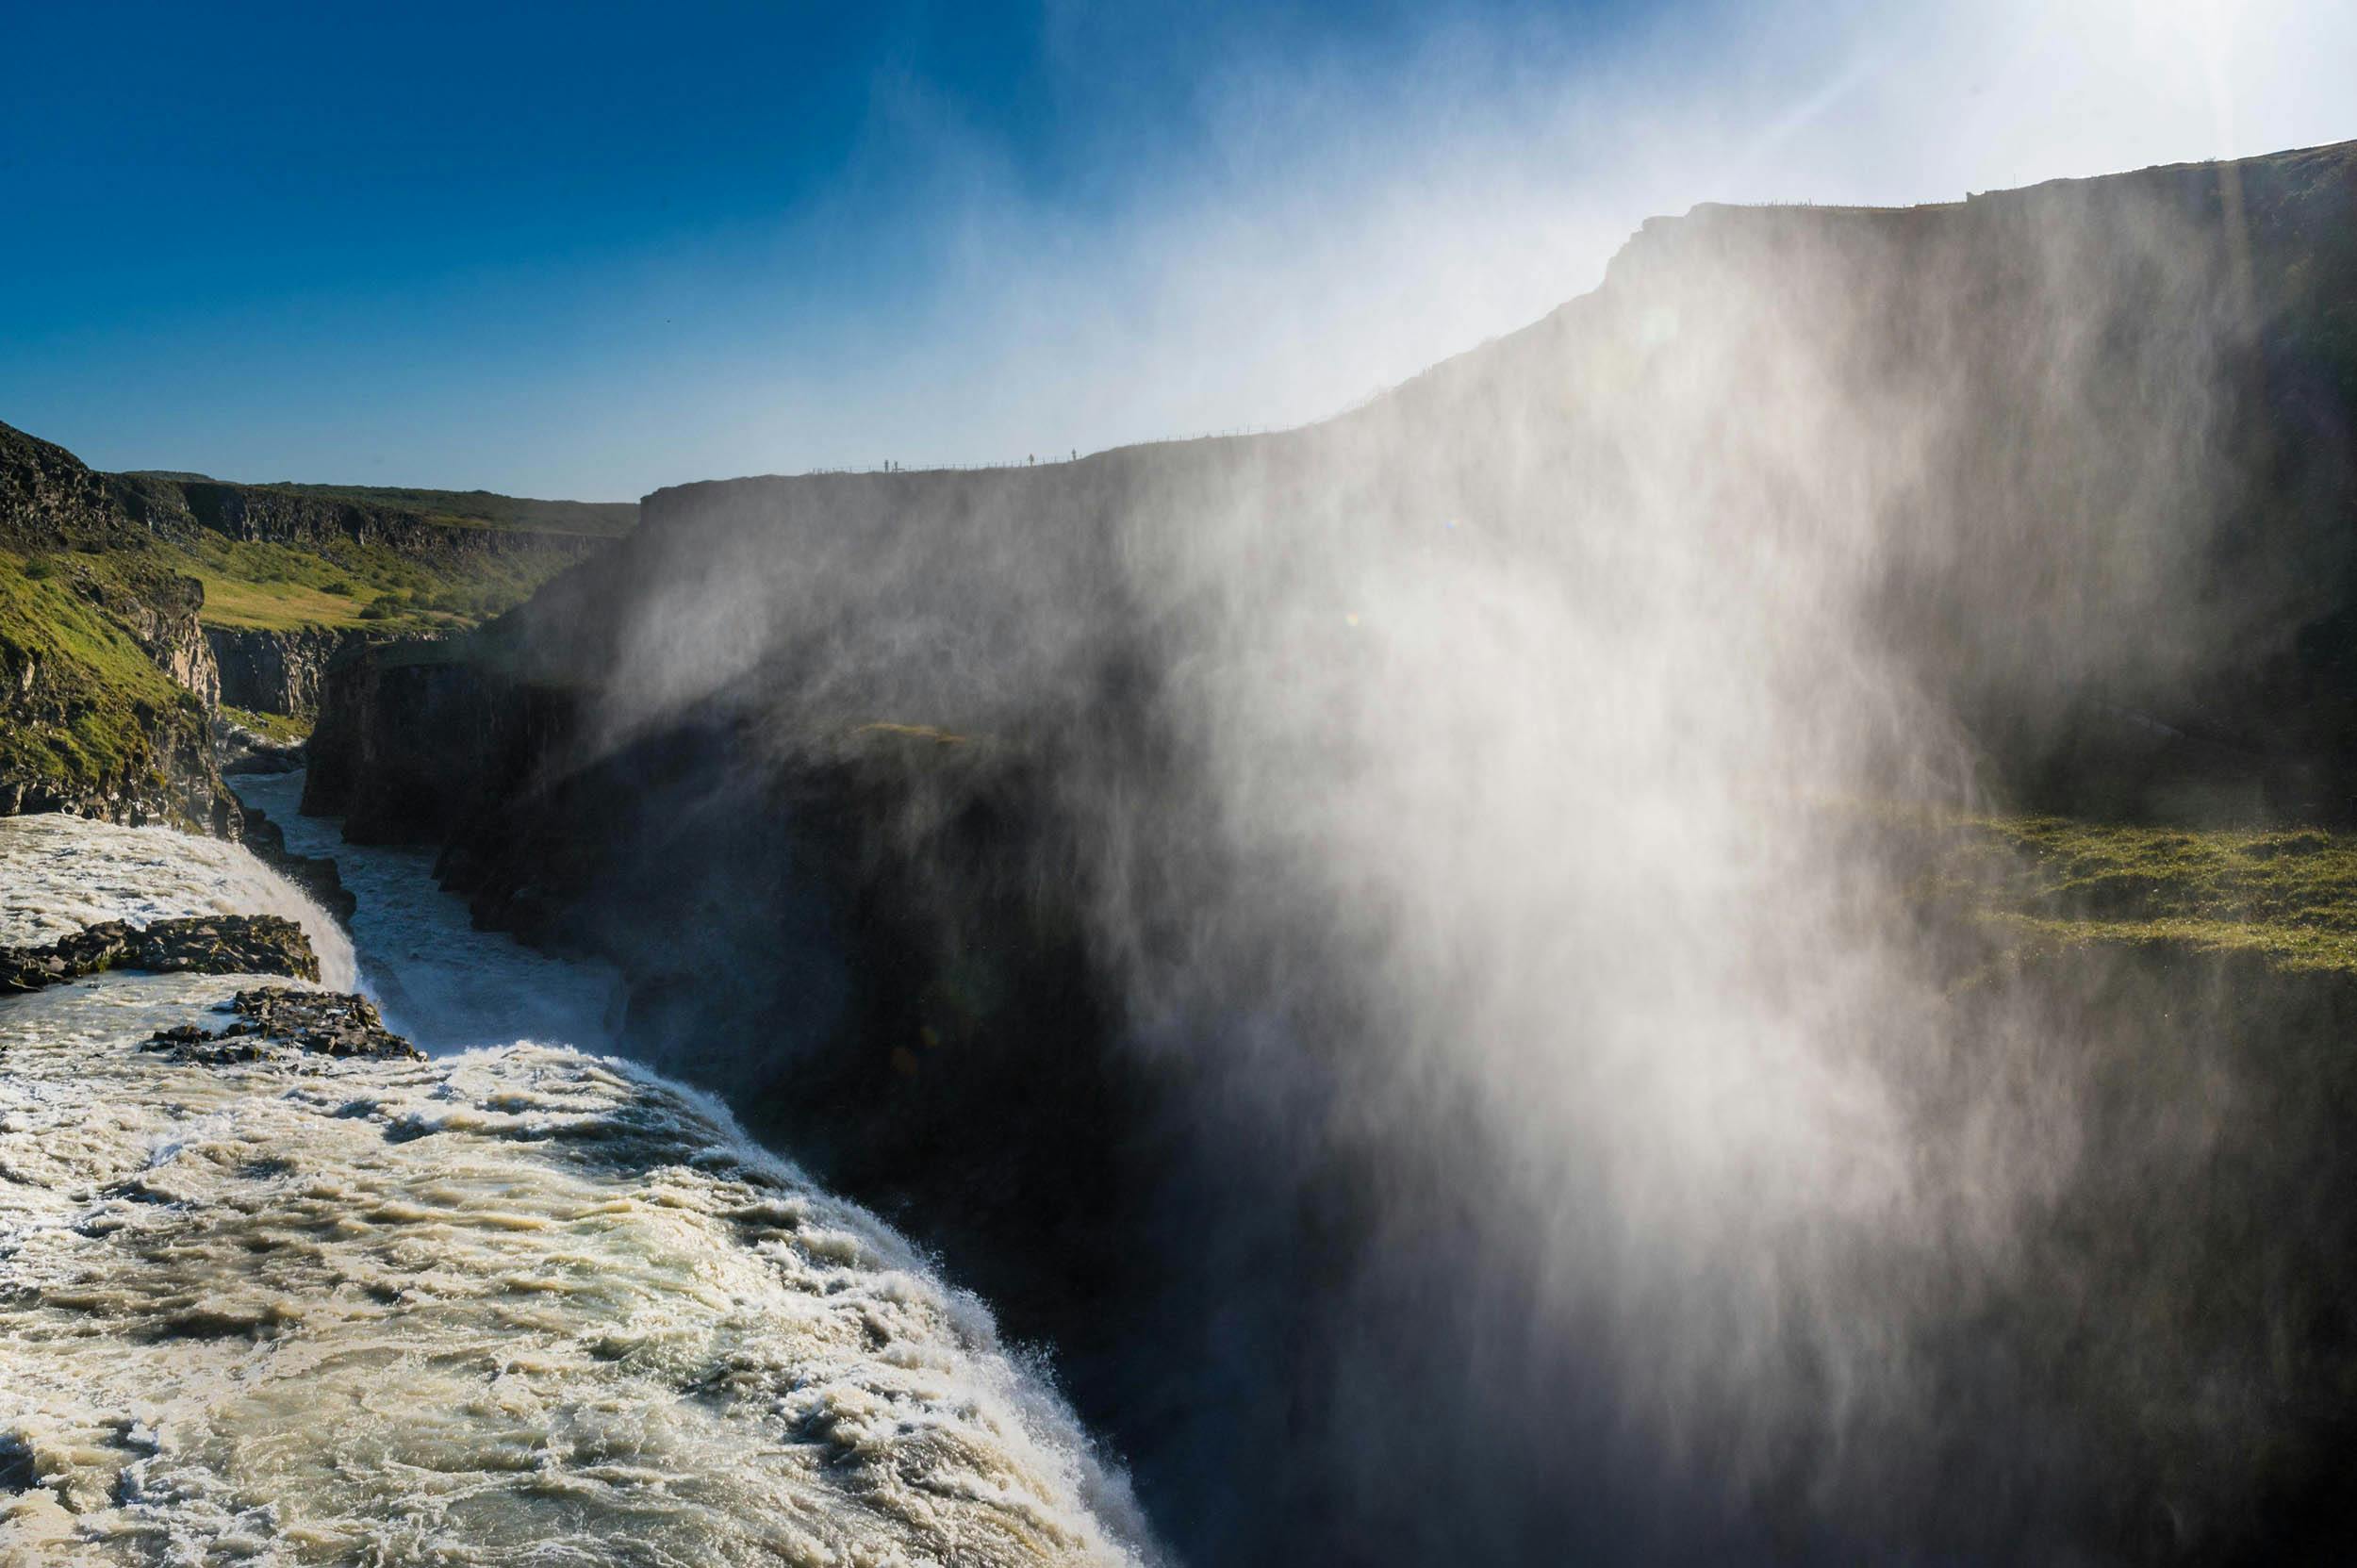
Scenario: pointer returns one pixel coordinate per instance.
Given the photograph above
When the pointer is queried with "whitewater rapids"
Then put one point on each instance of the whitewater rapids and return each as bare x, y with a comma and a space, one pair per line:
510, 1305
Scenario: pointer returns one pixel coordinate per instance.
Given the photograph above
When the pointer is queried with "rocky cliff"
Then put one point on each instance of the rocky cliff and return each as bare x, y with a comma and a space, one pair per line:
105, 676
1069, 860
496, 728
275, 672
113, 656
183, 509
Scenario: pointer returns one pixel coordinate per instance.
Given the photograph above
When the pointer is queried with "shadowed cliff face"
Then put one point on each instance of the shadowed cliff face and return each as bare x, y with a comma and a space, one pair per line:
277, 671
1378, 939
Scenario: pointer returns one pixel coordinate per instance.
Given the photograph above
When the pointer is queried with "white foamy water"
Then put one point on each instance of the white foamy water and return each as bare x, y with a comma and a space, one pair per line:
512, 1305
59, 874
437, 980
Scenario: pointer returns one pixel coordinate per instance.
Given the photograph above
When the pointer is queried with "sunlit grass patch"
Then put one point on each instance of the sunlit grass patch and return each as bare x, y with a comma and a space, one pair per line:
2287, 893
911, 731
282, 728
275, 606
258, 585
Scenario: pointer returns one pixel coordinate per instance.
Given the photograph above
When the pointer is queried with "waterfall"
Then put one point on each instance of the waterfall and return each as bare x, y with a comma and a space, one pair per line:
509, 1304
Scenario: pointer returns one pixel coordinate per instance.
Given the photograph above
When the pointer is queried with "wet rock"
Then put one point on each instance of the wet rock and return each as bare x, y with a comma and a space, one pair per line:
331, 1022
192, 1045
18, 1470
275, 1021
204, 1050
207, 945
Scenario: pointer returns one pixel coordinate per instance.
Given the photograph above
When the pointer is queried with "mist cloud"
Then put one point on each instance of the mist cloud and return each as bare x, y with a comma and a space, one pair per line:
1478, 799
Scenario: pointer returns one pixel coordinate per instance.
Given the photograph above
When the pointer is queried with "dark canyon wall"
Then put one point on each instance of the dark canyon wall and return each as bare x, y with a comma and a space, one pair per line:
267, 672
1387, 947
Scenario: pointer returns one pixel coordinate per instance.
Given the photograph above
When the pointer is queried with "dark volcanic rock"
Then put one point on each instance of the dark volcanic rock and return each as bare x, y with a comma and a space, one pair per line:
276, 1019
211, 944
330, 1023
493, 729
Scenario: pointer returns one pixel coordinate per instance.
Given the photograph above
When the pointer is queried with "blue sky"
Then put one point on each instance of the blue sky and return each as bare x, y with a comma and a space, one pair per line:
590, 249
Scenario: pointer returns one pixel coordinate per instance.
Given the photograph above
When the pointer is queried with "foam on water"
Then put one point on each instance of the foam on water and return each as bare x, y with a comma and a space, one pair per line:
59, 874
510, 1305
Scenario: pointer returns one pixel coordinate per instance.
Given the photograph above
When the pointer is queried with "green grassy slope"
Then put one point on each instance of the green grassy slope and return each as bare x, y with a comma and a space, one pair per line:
92, 715
285, 558
281, 588
2288, 895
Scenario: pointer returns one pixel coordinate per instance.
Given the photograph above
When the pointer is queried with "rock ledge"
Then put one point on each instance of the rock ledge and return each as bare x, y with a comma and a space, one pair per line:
205, 944
328, 1023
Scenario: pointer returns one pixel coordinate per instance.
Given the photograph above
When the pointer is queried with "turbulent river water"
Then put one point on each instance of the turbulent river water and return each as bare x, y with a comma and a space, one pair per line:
514, 1304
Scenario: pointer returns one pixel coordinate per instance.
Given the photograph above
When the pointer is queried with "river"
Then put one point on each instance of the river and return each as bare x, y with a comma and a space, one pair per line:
519, 1302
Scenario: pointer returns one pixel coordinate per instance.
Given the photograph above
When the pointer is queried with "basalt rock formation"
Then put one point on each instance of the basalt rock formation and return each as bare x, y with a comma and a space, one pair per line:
496, 730
315, 874
272, 671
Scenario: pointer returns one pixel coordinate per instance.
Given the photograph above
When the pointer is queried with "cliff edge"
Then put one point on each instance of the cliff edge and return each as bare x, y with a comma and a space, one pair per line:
105, 680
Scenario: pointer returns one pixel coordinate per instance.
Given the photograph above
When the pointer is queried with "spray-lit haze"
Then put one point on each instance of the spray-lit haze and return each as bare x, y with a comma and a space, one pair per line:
763, 252
1501, 807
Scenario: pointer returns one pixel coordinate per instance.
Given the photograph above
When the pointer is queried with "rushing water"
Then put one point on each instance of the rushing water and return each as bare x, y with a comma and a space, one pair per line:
438, 981
59, 874
513, 1304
